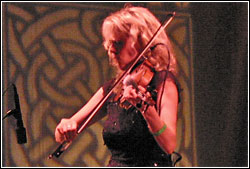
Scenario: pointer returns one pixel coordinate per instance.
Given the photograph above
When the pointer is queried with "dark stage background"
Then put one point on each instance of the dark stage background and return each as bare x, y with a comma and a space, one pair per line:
211, 41
221, 82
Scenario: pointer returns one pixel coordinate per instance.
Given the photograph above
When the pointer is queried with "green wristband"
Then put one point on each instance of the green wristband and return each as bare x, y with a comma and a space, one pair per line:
160, 131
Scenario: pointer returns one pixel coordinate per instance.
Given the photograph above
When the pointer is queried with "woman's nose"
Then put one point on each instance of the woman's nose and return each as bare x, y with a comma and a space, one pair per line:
112, 49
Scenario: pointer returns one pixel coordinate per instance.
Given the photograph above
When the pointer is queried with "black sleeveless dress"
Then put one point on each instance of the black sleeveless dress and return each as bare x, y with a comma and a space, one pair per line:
129, 140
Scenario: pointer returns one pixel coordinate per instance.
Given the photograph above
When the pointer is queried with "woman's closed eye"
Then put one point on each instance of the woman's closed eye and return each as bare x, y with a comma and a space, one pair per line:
117, 44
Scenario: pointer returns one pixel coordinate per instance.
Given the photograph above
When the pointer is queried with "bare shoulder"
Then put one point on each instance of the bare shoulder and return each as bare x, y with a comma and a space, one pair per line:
165, 77
167, 87
170, 85
170, 80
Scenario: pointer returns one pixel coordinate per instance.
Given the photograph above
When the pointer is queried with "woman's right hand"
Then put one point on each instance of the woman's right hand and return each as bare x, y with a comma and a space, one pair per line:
66, 130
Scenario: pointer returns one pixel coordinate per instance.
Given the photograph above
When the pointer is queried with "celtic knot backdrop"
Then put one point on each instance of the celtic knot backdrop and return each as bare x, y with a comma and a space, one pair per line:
53, 53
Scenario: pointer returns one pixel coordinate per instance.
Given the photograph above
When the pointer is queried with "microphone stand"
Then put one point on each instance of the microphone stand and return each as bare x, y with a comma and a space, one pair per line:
20, 130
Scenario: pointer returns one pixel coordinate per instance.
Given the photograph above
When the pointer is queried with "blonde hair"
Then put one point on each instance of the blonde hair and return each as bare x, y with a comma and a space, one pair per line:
141, 24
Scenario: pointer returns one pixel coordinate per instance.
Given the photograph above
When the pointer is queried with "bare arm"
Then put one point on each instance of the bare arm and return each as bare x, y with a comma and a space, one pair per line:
66, 130
168, 116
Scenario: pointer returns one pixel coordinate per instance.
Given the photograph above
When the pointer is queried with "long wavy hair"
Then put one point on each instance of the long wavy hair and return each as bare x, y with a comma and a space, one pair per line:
140, 23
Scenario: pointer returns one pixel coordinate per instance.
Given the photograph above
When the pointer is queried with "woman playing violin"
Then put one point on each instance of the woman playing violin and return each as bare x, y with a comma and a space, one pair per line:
141, 134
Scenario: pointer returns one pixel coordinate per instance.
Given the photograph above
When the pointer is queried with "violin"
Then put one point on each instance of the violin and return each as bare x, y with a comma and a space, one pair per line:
142, 77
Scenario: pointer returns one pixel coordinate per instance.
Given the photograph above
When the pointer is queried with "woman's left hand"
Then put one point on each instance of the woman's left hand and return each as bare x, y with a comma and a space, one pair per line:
131, 95
135, 96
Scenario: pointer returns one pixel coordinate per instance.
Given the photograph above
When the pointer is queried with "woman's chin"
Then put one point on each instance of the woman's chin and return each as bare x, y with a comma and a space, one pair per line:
124, 66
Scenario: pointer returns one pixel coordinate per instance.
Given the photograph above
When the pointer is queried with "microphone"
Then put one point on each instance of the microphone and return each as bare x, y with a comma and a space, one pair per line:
20, 130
